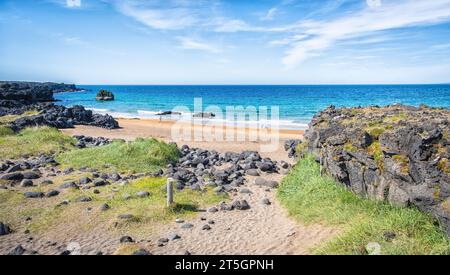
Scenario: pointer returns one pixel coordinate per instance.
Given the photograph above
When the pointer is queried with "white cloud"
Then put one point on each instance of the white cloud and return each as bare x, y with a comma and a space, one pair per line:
73, 3
288, 40
166, 14
269, 15
373, 3
74, 41
441, 46
324, 34
169, 19
188, 43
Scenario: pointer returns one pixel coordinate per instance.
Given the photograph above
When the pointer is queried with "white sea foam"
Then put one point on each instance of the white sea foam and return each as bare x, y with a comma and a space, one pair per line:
144, 114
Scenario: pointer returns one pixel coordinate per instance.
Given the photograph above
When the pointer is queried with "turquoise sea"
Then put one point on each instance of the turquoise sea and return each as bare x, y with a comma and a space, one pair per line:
297, 103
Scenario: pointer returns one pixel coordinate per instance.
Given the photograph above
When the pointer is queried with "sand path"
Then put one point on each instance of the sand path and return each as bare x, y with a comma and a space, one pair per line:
261, 230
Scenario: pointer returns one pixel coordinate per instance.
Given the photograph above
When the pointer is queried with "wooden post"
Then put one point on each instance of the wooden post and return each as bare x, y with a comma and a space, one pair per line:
169, 192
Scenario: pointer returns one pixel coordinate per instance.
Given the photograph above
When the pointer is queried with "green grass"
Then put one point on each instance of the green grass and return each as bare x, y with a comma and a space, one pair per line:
33, 142
312, 198
4, 120
149, 213
142, 155
6, 131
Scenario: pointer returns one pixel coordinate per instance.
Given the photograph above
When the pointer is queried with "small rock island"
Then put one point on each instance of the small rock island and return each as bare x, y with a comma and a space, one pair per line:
105, 95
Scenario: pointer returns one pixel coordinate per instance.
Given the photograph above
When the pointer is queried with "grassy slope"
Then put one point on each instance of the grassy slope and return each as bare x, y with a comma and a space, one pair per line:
142, 155
148, 212
313, 198
32, 142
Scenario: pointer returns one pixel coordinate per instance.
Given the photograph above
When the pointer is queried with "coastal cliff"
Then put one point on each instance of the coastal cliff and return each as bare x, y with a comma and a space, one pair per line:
398, 154
33, 91
16, 98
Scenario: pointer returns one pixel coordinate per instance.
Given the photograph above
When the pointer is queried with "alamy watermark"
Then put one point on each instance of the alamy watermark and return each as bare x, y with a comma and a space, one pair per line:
232, 124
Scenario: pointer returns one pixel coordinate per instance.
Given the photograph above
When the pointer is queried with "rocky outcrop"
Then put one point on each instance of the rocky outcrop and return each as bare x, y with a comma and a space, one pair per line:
62, 117
104, 95
19, 97
398, 154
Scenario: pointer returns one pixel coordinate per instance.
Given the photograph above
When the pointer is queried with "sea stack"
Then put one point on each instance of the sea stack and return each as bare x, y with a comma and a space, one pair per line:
104, 95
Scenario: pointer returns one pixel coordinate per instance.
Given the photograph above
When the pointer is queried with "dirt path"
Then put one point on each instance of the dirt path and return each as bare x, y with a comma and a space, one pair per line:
262, 230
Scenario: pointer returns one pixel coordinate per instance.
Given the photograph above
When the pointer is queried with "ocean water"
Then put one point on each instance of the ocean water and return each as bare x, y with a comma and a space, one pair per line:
297, 104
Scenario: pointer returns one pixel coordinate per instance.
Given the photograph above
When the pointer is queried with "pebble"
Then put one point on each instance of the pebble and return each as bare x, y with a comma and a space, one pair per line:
142, 194
18, 250
84, 199
187, 226
46, 182
125, 216
126, 239
141, 252
174, 236
69, 184
31, 175
266, 201
4, 229
206, 227
52, 193
104, 207
26, 183
34, 195
245, 191
252, 172
85, 180
213, 209
241, 205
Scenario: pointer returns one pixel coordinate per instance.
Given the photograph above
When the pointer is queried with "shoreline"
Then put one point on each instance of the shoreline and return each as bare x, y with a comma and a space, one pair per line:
130, 129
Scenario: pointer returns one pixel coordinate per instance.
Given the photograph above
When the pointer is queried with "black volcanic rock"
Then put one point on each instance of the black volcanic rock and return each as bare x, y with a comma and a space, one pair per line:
398, 154
62, 117
104, 95
19, 97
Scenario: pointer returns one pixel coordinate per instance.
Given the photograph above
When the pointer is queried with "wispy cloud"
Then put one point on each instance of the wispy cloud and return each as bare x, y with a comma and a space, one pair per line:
165, 14
288, 40
73, 3
188, 43
377, 16
269, 15
75, 41
441, 47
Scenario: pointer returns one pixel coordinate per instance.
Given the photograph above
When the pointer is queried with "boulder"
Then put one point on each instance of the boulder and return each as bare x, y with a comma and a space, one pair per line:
52, 193
241, 205
15, 176
33, 195
26, 183
4, 229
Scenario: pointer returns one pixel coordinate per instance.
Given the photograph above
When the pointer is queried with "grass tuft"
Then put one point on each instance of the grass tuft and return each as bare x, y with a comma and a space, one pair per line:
313, 198
142, 155
33, 142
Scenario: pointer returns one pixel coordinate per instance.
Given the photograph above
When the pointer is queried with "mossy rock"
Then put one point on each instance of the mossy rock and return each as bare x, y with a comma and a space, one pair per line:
105, 95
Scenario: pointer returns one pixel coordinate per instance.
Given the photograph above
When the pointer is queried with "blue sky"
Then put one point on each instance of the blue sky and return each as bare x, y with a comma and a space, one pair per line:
225, 41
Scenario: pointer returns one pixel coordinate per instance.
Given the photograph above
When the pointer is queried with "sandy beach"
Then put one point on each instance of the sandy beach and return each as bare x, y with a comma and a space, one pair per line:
131, 129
